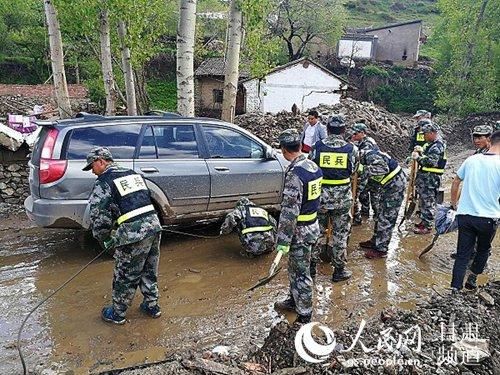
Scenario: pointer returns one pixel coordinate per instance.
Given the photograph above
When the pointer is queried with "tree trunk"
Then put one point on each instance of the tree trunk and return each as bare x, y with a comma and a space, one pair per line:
127, 70
57, 61
185, 58
142, 94
471, 45
106, 63
232, 62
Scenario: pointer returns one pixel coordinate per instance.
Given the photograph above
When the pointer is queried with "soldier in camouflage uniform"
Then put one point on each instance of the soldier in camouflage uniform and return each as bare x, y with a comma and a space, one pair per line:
481, 138
122, 217
298, 227
256, 228
369, 194
391, 179
417, 138
497, 126
431, 161
337, 160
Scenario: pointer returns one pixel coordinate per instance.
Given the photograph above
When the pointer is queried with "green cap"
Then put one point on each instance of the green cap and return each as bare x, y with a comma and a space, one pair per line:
359, 127
95, 154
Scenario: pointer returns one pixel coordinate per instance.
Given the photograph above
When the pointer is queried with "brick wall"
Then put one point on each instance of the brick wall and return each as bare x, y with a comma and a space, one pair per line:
42, 91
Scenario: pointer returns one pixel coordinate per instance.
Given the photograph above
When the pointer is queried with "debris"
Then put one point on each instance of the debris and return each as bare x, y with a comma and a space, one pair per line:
221, 350
193, 270
486, 298
210, 367
10, 138
474, 350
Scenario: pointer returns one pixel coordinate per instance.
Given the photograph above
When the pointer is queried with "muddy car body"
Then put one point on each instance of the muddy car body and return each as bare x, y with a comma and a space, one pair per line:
195, 168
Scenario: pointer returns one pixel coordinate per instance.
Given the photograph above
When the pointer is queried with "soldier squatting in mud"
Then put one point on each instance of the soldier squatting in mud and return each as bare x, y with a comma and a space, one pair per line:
317, 191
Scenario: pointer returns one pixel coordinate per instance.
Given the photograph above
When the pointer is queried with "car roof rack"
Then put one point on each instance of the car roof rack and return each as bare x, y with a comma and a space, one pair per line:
156, 112
89, 116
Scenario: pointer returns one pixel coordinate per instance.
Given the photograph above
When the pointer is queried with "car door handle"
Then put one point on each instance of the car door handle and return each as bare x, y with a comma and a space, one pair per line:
149, 170
222, 169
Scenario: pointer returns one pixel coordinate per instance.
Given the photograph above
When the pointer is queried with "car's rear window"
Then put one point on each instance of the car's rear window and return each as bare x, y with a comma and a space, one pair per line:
120, 139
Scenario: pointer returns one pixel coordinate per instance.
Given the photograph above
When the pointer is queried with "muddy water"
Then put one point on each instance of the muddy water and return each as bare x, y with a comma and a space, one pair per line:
204, 301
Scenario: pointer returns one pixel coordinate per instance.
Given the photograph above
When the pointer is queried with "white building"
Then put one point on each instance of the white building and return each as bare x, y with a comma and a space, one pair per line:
303, 82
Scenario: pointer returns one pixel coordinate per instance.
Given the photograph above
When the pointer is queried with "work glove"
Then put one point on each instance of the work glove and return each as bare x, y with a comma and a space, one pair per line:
415, 155
109, 243
283, 248
419, 149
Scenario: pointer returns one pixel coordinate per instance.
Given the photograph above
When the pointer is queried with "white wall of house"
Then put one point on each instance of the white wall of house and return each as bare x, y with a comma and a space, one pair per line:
357, 49
305, 85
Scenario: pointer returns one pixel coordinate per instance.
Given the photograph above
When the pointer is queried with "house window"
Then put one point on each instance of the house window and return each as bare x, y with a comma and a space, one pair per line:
218, 95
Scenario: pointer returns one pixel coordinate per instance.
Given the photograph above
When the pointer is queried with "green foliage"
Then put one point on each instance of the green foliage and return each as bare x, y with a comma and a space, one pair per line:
163, 94
374, 71
468, 42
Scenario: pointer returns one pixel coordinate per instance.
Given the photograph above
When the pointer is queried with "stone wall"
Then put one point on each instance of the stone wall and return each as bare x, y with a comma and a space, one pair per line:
14, 186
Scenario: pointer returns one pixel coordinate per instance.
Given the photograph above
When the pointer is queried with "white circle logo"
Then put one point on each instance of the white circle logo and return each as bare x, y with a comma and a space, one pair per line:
306, 346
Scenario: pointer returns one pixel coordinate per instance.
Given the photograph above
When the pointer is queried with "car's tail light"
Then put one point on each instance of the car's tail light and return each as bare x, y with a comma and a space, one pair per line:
51, 169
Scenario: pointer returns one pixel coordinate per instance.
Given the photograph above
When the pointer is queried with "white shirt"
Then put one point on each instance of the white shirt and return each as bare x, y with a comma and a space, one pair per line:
309, 135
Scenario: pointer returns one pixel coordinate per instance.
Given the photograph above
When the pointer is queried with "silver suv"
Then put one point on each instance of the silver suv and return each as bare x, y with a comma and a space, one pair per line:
195, 168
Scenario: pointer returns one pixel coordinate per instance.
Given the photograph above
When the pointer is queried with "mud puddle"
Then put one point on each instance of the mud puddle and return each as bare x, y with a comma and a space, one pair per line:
203, 294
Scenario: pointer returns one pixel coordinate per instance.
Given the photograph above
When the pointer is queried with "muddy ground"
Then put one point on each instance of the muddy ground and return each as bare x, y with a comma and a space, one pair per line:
203, 294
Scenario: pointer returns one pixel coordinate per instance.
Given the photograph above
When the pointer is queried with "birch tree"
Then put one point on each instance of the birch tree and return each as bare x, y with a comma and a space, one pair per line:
185, 57
106, 62
128, 71
232, 61
57, 60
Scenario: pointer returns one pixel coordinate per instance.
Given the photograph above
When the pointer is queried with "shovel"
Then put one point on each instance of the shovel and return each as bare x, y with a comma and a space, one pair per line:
273, 271
411, 196
429, 247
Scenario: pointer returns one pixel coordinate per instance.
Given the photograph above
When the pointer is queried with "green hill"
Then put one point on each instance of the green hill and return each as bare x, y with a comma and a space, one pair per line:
365, 13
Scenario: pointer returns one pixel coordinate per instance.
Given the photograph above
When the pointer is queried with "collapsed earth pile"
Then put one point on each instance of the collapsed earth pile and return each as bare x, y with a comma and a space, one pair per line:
389, 130
437, 321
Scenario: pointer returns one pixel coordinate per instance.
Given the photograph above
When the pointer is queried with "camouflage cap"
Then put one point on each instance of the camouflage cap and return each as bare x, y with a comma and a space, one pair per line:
335, 121
359, 127
429, 127
243, 201
97, 153
482, 130
289, 137
421, 113
423, 122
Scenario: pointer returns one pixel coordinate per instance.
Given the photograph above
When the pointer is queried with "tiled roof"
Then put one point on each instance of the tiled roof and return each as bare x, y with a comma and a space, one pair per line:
214, 66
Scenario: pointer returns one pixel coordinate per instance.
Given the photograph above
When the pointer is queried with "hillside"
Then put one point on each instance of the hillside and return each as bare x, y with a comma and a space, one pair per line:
379, 12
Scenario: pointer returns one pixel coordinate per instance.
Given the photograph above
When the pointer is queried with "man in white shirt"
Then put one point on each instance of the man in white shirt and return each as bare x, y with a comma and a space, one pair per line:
478, 212
313, 131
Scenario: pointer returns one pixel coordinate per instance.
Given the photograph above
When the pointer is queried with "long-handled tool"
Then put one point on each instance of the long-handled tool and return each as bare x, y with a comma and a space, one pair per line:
273, 271
411, 194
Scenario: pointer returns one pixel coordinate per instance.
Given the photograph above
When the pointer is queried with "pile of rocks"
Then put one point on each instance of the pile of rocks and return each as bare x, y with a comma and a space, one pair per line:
14, 186
391, 131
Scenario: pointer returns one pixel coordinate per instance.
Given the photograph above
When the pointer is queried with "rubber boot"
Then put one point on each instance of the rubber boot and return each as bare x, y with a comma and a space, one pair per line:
341, 274
288, 304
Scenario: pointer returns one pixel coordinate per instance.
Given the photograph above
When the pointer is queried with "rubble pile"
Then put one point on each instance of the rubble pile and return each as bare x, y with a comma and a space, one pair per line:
19, 104
14, 185
448, 325
389, 130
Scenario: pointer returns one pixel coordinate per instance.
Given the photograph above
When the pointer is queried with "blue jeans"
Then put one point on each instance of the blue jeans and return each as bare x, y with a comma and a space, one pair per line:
472, 231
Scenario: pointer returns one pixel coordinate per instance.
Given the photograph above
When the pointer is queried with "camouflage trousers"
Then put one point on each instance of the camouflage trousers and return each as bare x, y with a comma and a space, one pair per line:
136, 265
299, 275
257, 243
391, 198
340, 230
369, 196
427, 186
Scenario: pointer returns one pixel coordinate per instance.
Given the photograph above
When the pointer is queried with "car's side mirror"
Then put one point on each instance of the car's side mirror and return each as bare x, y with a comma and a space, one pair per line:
270, 153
